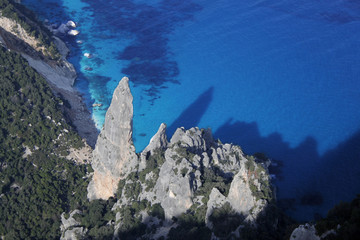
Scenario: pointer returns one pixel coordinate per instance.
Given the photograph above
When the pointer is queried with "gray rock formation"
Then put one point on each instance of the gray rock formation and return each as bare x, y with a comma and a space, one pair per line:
304, 232
114, 156
74, 234
308, 232
62, 75
216, 200
158, 141
191, 172
61, 46
195, 172
70, 228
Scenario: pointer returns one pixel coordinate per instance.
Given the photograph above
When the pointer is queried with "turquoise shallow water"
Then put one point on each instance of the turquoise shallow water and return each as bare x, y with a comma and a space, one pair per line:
280, 78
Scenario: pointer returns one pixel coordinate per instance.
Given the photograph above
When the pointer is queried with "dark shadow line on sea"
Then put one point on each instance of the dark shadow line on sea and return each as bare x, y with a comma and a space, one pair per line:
192, 115
308, 184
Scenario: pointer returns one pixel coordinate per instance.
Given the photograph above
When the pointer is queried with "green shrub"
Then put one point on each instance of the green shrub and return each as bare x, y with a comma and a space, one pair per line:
345, 215
184, 171
225, 220
191, 225
153, 164
156, 210
211, 178
133, 190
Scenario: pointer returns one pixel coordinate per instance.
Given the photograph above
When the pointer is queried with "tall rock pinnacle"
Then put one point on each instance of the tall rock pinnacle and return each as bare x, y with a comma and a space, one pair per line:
114, 156
191, 172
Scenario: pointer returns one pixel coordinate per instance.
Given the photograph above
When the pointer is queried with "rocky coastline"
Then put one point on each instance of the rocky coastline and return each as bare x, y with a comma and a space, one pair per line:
61, 80
60, 74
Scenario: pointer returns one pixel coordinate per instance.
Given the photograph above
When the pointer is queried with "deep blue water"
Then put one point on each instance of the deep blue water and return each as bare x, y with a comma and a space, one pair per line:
276, 77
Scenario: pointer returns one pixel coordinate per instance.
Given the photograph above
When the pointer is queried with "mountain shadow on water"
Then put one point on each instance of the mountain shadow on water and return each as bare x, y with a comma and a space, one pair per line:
308, 184
192, 115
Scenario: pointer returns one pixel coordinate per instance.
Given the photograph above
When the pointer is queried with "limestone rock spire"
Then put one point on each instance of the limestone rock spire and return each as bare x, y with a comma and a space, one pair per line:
114, 156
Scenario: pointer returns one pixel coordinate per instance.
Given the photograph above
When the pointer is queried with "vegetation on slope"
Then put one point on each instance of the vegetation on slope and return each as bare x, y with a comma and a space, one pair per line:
38, 186
28, 21
344, 219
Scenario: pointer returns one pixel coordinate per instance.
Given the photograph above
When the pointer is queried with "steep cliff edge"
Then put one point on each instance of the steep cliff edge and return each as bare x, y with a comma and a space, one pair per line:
191, 177
21, 32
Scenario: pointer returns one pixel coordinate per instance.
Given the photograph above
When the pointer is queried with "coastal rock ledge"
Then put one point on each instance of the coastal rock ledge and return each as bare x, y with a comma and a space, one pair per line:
191, 174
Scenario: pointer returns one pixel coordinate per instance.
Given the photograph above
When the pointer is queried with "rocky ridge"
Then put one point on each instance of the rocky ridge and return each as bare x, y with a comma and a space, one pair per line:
192, 175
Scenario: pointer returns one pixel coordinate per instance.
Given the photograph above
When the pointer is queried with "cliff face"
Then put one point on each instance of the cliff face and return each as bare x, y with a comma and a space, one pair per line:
191, 174
114, 156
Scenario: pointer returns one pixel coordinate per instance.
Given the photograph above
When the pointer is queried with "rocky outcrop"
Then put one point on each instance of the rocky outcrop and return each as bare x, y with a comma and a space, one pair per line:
191, 172
74, 233
114, 156
305, 232
308, 232
70, 228
62, 75
61, 46
81, 155
158, 141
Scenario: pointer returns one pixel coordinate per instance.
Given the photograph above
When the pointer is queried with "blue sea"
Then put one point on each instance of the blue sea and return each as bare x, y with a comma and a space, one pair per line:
279, 77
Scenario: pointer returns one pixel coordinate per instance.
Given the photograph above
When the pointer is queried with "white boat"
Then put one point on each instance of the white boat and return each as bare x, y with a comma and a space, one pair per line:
71, 24
73, 32
79, 41
97, 105
88, 55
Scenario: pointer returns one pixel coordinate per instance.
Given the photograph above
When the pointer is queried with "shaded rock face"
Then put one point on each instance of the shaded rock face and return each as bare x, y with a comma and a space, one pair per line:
158, 141
195, 173
114, 156
190, 174
70, 228
308, 232
304, 232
